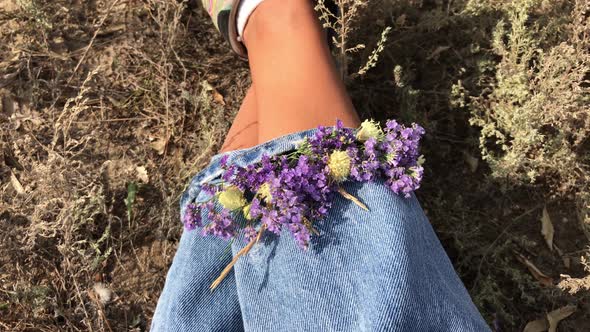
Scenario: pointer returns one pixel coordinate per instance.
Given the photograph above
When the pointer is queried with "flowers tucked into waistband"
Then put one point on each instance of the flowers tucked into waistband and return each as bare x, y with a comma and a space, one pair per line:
294, 191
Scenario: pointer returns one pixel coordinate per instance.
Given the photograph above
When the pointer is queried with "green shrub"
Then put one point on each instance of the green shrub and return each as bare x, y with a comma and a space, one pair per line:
535, 115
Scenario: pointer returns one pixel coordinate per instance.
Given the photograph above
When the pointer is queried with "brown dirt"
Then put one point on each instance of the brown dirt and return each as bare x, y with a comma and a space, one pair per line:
99, 96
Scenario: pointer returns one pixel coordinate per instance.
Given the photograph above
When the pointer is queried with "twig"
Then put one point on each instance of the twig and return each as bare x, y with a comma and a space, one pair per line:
355, 200
489, 248
241, 253
99, 306
81, 301
100, 24
309, 226
343, 35
117, 120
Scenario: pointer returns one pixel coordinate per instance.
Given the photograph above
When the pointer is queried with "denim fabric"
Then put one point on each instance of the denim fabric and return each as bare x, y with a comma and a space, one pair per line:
382, 270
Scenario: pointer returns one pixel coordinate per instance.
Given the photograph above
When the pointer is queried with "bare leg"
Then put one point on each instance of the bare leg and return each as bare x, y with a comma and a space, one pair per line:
244, 130
297, 84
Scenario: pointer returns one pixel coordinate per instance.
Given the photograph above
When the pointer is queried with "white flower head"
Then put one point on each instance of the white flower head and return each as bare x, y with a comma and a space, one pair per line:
232, 198
339, 165
264, 192
369, 129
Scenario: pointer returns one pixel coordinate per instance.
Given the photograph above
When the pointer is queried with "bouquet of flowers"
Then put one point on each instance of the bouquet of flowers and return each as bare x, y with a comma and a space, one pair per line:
294, 191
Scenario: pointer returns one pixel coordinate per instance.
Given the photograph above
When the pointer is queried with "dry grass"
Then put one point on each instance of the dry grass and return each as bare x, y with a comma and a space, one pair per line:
108, 107
96, 97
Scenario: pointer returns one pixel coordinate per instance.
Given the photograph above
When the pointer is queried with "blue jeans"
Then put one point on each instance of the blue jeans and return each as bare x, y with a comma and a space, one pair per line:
383, 270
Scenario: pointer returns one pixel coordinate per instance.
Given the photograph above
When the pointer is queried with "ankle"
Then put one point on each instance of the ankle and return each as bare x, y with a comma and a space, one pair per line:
279, 19
244, 10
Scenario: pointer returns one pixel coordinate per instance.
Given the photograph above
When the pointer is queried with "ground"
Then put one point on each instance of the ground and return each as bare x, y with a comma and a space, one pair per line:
109, 107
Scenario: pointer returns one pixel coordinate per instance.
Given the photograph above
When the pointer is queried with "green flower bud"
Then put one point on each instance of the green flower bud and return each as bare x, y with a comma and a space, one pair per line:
232, 198
339, 165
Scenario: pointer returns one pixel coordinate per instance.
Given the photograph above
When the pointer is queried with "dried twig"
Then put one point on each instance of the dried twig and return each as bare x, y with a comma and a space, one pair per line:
89, 46
99, 306
504, 231
355, 200
240, 253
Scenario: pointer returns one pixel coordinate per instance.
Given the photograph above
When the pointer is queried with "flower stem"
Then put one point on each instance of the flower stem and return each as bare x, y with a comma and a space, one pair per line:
355, 200
240, 253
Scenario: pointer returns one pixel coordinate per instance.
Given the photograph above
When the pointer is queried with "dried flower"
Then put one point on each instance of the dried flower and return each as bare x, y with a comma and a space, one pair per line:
264, 191
232, 198
295, 191
222, 225
192, 217
391, 157
421, 160
246, 211
250, 233
369, 129
339, 165
290, 192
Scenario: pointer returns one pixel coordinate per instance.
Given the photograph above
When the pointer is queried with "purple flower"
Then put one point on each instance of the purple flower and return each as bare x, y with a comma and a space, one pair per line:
289, 192
250, 233
210, 189
391, 125
327, 139
192, 217
301, 234
298, 192
270, 220
229, 173
222, 225
223, 161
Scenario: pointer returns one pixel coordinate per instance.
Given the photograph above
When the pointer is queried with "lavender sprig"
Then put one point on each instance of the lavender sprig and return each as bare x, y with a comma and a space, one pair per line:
296, 190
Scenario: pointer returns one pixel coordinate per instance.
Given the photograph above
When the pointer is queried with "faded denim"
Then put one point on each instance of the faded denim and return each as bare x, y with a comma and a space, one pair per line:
383, 270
